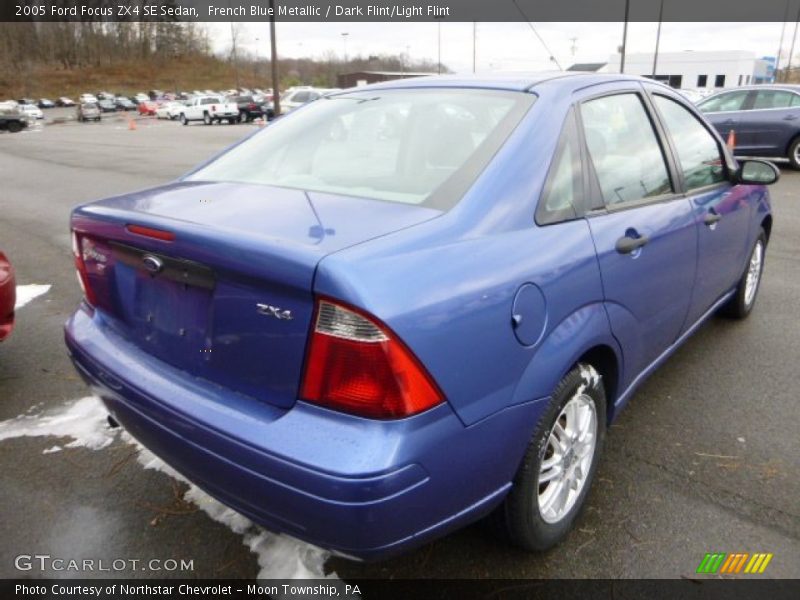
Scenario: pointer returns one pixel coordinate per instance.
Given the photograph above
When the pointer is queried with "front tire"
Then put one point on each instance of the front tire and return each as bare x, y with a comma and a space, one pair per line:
184, 120
742, 302
794, 154
552, 482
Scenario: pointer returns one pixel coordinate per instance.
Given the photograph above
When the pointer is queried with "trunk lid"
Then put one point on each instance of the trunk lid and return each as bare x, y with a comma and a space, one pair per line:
230, 298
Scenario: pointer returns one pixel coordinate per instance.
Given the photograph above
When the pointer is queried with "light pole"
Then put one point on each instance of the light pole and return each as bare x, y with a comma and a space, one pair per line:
276, 95
791, 48
780, 43
439, 43
474, 45
658, 37
344, 40
624, 37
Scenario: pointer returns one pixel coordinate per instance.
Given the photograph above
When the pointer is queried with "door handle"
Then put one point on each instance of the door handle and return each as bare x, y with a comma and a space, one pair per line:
627, 244
711, 218
729, 121
790, 118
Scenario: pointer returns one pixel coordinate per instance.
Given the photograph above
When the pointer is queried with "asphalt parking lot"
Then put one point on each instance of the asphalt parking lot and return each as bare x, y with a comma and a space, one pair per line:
706, 457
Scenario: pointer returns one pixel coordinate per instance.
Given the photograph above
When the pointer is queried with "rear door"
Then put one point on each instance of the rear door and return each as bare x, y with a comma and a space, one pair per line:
730, 111
643, 229
721, 211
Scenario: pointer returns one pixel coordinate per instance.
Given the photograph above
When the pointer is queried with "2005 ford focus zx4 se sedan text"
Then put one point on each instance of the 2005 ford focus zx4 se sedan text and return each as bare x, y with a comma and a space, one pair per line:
408, 306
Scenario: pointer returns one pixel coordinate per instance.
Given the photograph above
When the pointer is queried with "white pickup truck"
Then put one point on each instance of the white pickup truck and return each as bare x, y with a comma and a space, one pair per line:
209, 109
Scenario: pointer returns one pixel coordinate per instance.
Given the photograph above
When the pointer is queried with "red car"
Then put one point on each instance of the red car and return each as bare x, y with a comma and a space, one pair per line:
148, 107
8, 296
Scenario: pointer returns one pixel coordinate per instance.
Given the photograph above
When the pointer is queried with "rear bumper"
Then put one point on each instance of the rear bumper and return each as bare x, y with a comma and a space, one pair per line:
366, 489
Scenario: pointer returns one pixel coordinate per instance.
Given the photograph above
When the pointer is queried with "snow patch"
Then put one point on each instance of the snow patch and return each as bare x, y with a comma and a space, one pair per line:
26, 293
85, 421
279, 556
590, 375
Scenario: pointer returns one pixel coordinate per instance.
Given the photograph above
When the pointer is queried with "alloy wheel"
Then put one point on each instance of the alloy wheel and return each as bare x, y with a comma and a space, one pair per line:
568, 458
753, 273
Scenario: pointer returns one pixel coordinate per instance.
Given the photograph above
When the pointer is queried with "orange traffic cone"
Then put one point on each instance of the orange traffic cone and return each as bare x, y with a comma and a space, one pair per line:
131, 124
731, 143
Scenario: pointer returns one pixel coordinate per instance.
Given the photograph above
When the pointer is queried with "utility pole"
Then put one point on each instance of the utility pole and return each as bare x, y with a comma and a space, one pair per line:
780, 43
474, 45
658, 37
439, 35
234, 35
624, 37
276, 95
791, 49
344, 40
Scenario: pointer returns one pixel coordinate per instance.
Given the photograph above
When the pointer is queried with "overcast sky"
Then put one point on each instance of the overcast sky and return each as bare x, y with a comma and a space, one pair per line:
503, 46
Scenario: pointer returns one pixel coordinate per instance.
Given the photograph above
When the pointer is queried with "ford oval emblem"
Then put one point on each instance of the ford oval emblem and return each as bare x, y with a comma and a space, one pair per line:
152, 263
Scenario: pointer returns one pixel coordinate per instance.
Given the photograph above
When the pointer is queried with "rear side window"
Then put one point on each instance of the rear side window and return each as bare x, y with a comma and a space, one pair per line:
698, 152
775, 99
563, 191
724, 102
624, 149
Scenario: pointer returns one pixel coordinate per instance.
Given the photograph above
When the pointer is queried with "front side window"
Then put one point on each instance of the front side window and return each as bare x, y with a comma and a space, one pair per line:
700, 158
624, 149
411, 146
775, 99
728, 102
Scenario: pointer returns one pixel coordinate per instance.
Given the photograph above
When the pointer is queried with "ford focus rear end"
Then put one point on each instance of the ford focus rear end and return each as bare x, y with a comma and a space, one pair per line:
215, 334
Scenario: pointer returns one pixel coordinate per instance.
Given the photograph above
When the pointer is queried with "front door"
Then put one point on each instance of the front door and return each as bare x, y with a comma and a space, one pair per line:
721, 211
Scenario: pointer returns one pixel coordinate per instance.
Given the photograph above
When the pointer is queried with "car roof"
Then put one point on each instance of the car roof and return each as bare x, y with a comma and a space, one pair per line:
791, 87
521, 82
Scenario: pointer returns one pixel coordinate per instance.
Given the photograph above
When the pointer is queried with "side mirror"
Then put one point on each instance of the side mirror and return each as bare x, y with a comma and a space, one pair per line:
757, 172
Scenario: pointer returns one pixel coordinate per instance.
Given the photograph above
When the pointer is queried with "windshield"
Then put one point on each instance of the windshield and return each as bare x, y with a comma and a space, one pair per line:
412, 146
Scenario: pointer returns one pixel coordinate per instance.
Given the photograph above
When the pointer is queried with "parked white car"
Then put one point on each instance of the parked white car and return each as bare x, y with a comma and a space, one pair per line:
87, 99
170, 110
296, 97
209, 109
31, 111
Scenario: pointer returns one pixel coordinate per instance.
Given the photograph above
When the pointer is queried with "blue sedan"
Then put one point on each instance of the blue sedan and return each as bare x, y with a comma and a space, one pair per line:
765, 119
408, 306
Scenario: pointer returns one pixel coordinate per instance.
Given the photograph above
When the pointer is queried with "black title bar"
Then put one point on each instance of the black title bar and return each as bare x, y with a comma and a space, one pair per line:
400, 10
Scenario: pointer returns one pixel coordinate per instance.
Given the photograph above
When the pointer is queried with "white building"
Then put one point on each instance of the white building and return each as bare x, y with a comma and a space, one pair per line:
690, 69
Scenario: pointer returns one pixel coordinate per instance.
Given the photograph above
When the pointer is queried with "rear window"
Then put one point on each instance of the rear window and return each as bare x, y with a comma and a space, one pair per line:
423, 147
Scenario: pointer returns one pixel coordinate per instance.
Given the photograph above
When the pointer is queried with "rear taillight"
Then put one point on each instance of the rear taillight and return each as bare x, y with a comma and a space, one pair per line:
213, 108
93, 261
355, 364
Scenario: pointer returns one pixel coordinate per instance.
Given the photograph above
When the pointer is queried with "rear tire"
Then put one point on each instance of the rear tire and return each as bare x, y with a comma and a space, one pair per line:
743, 301
551, 485
207, 119
794, 154
14, 126
184, 120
